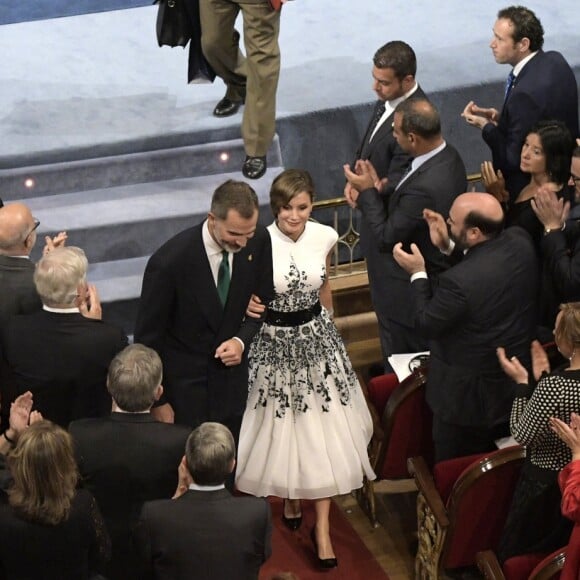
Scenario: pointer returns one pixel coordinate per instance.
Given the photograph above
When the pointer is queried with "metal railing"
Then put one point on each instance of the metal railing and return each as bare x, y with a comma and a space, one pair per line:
348, 237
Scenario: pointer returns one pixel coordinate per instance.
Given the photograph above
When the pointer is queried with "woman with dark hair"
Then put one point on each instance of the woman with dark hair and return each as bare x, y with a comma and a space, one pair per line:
306, 427
48, 529
534, 523
546, 156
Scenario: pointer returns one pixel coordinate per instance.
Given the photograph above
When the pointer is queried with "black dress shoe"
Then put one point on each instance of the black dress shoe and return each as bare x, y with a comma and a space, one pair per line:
254, 167
291, 523
226, 107
325, 563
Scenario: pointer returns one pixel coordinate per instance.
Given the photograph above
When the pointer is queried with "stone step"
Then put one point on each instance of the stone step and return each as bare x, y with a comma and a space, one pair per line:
119, 170
132, 221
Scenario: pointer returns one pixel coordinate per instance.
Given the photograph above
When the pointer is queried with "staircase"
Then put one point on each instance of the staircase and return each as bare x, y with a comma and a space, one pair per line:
120, 209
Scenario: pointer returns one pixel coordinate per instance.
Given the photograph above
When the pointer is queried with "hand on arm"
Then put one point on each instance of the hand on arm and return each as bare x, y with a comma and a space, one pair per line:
549, 209
493, 182
230, 352
512, 367
412, 263
255, 307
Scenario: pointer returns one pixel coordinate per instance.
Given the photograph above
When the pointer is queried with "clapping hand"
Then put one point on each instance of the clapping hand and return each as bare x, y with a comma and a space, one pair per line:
437, 229
89, 303
550, 210
570, 434
479, 116
51, 243
494, 182
411, 263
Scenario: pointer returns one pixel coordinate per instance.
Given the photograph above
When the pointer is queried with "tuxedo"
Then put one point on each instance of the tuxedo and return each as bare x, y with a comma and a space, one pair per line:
545, 88
125, 460
181, 317
485, 301
17, 291
434, 185
63, 359
390, 161
206, 535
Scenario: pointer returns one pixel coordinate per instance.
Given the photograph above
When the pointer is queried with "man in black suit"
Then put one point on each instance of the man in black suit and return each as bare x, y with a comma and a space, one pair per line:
435, 178
485, 301
205, 532
201, 335
62, 352
394, 68
128, 457
541, 85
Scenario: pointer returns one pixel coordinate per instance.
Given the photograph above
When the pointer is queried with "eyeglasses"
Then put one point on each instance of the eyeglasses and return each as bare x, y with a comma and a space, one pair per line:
36, 224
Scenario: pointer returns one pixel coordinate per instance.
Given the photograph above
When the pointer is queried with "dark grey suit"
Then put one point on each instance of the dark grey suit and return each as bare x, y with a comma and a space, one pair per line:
17, 292
434, 185
390, 161
485, 301
125, 460
181, 317
206, 535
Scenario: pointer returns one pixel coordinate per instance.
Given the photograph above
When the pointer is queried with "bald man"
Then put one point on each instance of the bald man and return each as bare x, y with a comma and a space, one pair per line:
486, 300
17, 239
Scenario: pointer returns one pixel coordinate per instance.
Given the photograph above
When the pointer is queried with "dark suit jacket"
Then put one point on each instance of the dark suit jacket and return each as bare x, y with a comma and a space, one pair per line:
63, 359
487, 300
206, 535
434, 185
545, 89
181, 317
125, 460
17, 292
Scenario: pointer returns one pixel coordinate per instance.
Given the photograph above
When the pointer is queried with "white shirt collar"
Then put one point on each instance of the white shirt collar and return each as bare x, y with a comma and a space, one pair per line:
518, 68
211, 246
60, 310
195, 487
393, 103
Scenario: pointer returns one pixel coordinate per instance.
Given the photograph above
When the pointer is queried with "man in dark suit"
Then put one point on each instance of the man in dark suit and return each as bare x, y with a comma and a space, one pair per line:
541, 85
205, 532
62, 352
436, 177
394, 68
128, 457
487, 300
199, 331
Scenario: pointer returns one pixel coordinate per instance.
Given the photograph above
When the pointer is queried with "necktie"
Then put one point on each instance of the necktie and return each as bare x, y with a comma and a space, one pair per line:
379, 111
223, 281
509, 84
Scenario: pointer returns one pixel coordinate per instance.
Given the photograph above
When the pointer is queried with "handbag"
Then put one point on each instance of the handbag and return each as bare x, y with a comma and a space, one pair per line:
173, 23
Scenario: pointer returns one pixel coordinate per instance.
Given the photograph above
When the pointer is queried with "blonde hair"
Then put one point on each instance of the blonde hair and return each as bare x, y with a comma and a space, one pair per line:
58, 275
568, 329
45, 474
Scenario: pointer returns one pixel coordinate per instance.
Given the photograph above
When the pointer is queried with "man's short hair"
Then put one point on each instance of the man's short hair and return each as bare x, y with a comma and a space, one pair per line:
236, 195
210, 451
134, 375
397, 55
488, 227
58, 274
526, 25
419, 117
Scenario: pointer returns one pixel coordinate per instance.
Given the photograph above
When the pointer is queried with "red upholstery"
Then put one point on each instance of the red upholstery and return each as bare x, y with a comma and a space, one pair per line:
407, 423
520, 567
380, 389
478, 510
446, 473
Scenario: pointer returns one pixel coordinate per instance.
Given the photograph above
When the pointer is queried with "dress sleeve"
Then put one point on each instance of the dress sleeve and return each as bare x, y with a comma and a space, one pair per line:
100, 548
529, 419
569, 480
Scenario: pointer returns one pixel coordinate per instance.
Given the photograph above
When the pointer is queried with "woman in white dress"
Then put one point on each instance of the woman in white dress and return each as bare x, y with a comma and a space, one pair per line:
306, 426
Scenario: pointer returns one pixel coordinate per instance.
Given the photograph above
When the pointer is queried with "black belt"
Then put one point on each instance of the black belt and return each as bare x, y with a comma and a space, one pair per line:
296, 318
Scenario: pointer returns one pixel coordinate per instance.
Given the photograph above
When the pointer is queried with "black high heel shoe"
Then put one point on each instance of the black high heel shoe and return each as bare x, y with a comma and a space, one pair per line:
325, 563
291, 523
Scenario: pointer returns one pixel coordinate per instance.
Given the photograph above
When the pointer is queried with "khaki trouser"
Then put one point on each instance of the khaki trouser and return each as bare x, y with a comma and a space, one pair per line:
256, 74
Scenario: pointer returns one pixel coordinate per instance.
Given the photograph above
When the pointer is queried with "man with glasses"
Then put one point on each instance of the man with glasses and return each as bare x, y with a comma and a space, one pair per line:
17, 239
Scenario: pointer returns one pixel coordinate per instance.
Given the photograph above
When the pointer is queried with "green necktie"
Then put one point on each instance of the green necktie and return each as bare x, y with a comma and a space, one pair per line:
223, 283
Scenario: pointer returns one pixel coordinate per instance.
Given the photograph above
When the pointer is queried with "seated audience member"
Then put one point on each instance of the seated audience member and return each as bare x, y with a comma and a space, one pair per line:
204, 532
48, 529
62, 352
17, 239
534, 523
545, 157
486, 299
560, 242
569, 481
128, 457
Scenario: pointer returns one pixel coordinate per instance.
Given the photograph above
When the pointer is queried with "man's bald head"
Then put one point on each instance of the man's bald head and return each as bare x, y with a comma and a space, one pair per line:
475, 217
17, 230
